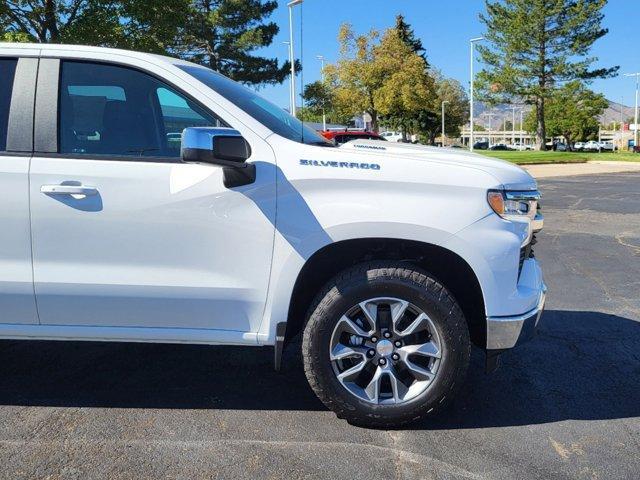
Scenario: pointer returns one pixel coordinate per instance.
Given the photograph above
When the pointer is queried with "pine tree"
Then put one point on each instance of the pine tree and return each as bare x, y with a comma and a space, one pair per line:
221, 34
408, 36
535, 45
132, 24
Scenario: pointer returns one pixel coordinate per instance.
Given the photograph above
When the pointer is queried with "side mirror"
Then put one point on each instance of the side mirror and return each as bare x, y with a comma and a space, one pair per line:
220, 146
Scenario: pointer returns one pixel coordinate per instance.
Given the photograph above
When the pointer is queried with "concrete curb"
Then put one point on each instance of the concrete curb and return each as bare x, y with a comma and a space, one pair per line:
592, 167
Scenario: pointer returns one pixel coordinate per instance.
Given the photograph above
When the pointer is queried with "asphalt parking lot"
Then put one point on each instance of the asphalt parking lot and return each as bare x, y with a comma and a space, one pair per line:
566, 405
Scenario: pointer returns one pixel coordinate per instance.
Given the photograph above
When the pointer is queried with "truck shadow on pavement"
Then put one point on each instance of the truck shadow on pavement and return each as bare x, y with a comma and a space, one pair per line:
582, 365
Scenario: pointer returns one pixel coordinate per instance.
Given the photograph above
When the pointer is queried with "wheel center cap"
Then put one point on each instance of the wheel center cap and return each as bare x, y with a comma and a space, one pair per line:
384, 348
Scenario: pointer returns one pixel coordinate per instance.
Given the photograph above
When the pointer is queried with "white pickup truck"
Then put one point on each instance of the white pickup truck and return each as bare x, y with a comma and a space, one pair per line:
147, 199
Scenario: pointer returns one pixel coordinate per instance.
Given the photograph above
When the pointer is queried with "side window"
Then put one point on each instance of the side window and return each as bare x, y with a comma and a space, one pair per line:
179, 113
119, 111
7, 72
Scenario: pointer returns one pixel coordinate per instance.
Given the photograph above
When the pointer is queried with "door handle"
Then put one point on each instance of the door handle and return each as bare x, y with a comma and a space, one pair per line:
69, 190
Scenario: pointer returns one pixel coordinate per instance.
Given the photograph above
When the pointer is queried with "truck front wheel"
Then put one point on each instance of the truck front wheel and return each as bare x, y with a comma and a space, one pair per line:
385, 344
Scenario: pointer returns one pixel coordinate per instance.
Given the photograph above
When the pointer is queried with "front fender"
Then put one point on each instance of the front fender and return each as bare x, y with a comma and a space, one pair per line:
289, 262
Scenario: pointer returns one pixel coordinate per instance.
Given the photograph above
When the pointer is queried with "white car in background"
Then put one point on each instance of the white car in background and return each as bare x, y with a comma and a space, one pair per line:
578, 146
392, 136
607, 146
591, 146
520, 147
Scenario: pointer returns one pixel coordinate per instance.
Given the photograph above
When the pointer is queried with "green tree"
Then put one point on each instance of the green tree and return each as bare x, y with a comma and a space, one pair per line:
400, 119
133, 24
534, 45
572, 112
408, 36
429, 120
356, 77
407, 86
307, 114
320, 95
223, 34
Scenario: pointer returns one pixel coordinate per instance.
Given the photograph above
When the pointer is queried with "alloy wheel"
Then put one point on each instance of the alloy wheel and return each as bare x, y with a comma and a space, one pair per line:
385, 351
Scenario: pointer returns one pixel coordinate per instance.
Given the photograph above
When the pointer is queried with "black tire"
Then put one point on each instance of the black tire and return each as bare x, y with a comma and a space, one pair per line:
380, 279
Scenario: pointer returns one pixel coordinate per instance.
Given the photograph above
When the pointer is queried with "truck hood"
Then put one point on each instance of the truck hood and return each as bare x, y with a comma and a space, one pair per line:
511, 176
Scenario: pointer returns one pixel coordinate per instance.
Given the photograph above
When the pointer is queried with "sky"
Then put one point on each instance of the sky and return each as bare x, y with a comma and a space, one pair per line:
445, 27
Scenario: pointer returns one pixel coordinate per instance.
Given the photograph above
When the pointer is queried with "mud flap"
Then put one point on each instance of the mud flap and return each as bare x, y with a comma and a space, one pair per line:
281, 329
492, 361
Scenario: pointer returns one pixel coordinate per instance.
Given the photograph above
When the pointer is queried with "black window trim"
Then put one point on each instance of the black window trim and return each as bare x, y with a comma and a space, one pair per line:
21, 108
50, 136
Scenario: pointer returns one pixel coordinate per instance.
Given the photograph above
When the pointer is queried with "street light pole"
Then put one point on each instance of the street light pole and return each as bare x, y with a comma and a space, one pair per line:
521, 127
513, 125
472, 43
490, 116
635, 121
443, 134
292, 85
324, 116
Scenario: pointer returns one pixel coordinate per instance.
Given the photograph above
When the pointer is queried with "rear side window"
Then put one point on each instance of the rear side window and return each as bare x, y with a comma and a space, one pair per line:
7, 72
118, 111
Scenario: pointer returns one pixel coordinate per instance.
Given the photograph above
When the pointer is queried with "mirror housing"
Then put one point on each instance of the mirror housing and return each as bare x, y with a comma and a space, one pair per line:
219, 146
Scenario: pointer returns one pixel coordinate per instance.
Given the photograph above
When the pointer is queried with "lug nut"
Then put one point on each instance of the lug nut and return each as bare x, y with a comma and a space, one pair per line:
371, 353
398, 343
387, 334
382, 362
374, 339
395, 356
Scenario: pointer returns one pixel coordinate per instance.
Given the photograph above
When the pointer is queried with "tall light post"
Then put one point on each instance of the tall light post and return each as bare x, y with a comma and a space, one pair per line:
513, 125
472, 44
292, 85
635, 121
490, 116
324, 116
444, 102
521, 126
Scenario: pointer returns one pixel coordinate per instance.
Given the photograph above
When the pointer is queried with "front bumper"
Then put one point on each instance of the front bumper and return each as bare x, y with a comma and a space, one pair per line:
507, 332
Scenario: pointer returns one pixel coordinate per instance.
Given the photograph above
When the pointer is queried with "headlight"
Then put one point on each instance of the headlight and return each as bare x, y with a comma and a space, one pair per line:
514, 205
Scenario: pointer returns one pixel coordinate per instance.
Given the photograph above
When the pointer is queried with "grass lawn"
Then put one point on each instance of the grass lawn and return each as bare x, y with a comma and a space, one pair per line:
561, 157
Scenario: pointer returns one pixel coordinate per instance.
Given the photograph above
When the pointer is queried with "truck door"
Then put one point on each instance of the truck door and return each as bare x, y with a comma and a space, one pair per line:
17, 300
125, 233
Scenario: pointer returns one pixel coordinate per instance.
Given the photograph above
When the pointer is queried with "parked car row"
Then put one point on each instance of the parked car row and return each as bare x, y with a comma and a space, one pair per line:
594, 146
340, 137
590, 146
500, 146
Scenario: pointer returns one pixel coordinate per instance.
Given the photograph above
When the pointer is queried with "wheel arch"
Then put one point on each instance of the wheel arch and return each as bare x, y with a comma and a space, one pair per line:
447, 266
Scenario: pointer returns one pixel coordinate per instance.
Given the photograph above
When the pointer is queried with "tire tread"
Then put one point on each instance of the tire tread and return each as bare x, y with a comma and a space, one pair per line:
377, 270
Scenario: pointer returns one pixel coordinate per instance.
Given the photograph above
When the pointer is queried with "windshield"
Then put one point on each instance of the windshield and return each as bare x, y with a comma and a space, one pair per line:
271, 116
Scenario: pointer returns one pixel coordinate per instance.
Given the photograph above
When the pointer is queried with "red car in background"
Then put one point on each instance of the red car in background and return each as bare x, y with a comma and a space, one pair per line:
343, 136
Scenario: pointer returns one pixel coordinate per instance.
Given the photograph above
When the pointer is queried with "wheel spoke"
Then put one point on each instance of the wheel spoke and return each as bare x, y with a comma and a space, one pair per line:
398, 388
419, 372
345, 324
370, 311
341, 351
354, 371
416, 325
397, 310
429, 349
372, 390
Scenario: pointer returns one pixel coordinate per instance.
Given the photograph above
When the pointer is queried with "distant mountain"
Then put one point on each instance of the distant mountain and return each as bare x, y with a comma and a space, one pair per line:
613, 113
500, 113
